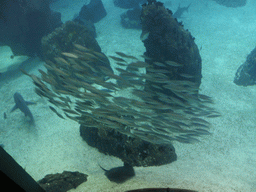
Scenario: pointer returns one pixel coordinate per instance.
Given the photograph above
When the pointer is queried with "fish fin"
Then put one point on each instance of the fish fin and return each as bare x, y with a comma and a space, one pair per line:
14, 108
188, 6
102, 168
29, 103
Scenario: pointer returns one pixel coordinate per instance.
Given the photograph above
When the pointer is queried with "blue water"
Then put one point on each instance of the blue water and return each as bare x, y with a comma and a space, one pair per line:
223, 161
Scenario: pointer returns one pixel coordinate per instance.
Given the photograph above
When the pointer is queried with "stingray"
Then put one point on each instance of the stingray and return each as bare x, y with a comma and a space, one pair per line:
120, 174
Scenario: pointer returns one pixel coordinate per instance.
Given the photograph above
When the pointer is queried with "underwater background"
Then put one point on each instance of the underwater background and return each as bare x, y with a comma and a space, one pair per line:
223, 161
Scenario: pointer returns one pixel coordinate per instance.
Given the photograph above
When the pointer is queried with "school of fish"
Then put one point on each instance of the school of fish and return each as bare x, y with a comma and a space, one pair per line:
92, 95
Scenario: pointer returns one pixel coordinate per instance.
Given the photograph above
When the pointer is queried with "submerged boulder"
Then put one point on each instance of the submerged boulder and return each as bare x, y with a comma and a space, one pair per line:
62, 39
166, 39
93, 12
246, 73
131, 19
128, 4
133, 151
231, 3
24, 23
8, 62
62, 182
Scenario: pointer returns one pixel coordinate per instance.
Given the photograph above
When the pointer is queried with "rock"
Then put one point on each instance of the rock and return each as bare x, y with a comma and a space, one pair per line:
165, 39
24, 23
62, 182
93, 12
231, 3
8, 62
246, 73
128, 4
131, 19
134, 151
161, 190
88, 24
63, 38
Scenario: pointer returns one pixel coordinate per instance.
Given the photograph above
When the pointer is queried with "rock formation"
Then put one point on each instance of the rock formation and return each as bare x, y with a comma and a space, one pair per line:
93, 12
24, 23
231, 3
165, 39
246, 73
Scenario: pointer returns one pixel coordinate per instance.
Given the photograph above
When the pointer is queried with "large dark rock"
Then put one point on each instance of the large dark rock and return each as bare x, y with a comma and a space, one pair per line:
166, 39
246, 73
131, 19
93, 12
62, 39
24, 23
62, 182
133, 151
232, 3
161, 190
128, 4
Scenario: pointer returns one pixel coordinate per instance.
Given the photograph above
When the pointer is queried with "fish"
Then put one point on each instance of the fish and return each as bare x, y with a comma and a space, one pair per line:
117, 59
126, 56
24, 72
61, 61
102, 57
37, 81
70, 111
182, 139
186, 75
139, 64
81, 48
121, 64
119, 174
57, 103
199, 120
149, 114
159, 64
174, 64
214, 115
55, 111
146, 57
71, 55
85, 64
60, 72
122, 121
91, 57
144, 35
48, 66
178, 13
157, 70
71, 117
21, 104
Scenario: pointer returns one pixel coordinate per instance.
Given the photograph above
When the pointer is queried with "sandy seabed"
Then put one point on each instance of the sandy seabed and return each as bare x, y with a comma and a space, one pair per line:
223, 161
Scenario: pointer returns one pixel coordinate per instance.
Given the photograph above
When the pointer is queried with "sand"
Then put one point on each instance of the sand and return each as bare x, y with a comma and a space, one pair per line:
7, 63
223, 161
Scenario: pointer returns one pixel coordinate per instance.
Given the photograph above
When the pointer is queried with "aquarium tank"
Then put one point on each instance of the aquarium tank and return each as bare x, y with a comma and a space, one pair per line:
128, 95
